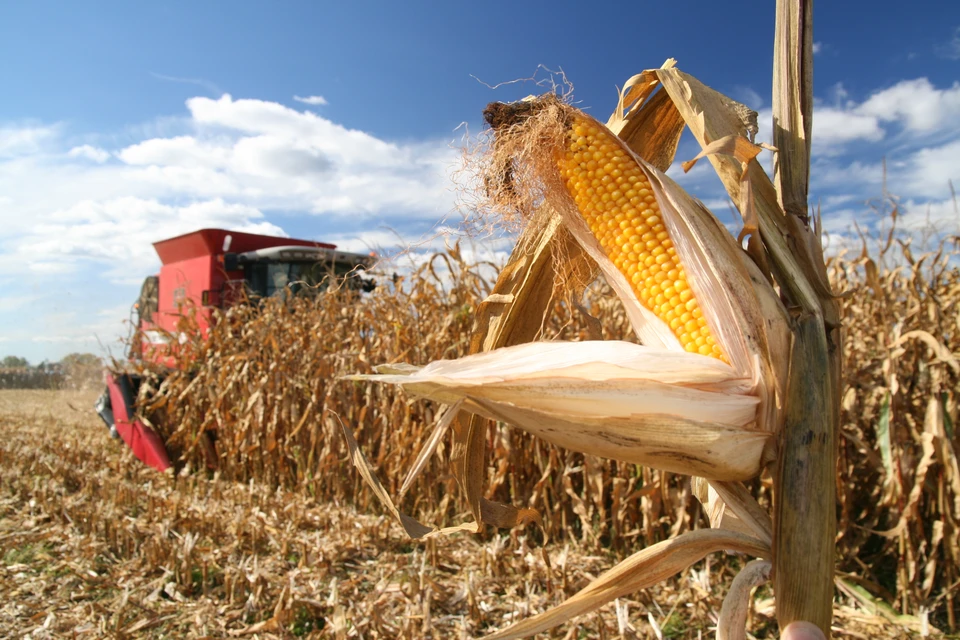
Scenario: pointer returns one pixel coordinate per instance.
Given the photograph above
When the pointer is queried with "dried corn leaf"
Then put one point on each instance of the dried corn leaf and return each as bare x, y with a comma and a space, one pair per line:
711, 116
736, 604
413, 528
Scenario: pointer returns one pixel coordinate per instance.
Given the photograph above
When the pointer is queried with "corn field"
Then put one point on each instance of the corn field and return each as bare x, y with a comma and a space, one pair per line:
267, 383
284, 534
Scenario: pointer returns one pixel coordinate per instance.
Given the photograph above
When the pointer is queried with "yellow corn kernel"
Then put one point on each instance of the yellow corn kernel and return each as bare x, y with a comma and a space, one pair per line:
617, 202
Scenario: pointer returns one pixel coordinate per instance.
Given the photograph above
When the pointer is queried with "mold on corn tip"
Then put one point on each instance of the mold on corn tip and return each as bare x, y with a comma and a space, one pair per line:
615, 198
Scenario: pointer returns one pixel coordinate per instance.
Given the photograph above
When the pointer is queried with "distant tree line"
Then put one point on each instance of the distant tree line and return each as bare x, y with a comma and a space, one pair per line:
75, 371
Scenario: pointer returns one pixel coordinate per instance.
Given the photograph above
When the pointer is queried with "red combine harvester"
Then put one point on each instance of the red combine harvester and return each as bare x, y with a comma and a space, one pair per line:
203, 271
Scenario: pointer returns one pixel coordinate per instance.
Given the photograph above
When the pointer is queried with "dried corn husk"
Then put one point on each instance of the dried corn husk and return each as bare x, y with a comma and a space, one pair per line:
665, 408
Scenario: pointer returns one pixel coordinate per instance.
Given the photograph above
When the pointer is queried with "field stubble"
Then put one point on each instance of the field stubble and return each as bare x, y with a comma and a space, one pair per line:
94, 545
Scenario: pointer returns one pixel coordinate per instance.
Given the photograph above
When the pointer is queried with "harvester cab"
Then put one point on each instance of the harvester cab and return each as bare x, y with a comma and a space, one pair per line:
200, 273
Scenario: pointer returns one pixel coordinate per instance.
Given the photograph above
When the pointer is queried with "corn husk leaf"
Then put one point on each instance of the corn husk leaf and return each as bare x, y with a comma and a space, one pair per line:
411, 525
670, 409
527, 286
650, 126
712, 116
729, 505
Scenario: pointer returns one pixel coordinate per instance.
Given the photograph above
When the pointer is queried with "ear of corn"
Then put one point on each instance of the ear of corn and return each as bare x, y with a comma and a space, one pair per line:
737, 307
618, 204
733, 306
691, 299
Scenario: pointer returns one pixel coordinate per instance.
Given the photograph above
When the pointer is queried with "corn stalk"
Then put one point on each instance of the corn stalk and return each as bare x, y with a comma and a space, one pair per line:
805, 505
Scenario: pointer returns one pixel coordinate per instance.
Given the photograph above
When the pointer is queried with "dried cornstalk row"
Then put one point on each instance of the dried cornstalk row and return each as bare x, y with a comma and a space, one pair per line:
898, 473
265, 383
267, 377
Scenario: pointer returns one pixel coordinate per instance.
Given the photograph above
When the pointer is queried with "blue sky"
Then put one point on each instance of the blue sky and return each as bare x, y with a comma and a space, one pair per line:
123, 123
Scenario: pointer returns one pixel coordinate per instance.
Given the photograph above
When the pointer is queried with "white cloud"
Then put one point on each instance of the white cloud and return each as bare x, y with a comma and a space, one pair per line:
951, 48
259, 117
279, 158
917, 104
274, 157
182, 151
312, 100
89, 152
839, 93
12, 303
942, 216
835, 126
25, 140
259, 153
718, 204
380, 241
817, 47
859, 176
832, 128
119, 233
913, 125
928, 171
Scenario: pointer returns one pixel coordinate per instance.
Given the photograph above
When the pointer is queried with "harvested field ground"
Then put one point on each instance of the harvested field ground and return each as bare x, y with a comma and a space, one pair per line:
95, 545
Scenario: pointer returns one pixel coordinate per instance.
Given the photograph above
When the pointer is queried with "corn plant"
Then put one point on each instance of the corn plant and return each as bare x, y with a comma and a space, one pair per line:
738, 371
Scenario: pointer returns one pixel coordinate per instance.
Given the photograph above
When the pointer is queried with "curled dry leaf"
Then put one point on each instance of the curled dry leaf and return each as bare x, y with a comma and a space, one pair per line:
733, 613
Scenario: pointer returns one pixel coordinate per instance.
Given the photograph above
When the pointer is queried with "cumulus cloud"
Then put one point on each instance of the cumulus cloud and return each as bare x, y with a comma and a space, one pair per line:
118, 234
312, 100
817, 47
912, 106
90, 153
279, 158
261, 153
917, 104
380, 241
928, 171
184, 151
13, 303
837, 126
25, 140
942, 216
